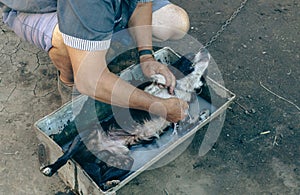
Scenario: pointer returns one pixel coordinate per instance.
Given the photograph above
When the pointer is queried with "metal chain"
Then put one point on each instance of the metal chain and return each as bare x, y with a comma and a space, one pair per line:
225, 25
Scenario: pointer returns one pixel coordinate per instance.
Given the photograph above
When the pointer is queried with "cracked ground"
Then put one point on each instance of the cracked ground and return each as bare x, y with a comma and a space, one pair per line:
258, 151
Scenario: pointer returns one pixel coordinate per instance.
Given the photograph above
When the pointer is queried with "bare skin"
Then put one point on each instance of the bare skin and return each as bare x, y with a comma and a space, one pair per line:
142, 16
170, 22
91, 76
60, 58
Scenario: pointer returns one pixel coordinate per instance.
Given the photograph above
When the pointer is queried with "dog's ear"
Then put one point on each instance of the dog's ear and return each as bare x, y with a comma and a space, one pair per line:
202, 56
201, 61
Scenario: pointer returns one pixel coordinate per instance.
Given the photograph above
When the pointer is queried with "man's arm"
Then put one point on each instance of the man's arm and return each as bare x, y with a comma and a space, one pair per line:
91, 75
93, 78
141, 28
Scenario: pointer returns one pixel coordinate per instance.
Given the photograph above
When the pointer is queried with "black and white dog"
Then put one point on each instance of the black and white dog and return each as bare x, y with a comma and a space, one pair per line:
105, 154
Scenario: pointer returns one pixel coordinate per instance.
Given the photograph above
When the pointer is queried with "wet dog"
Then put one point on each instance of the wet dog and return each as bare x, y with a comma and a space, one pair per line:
104, 154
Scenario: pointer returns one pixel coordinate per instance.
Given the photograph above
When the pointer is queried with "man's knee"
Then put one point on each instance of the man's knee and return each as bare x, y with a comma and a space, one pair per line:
170, 22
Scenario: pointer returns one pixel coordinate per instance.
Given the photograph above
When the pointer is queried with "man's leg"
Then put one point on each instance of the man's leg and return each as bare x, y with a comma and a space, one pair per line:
34, 28
60, 58
170, 21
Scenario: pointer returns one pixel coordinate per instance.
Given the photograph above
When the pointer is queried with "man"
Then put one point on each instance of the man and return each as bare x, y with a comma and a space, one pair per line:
77, 43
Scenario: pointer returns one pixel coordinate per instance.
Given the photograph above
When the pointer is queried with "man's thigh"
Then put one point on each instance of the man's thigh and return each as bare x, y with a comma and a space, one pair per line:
34, 28
32, 20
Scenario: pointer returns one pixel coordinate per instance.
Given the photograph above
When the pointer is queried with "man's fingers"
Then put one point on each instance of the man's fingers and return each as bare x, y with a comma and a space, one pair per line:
170, 79
173, 83
167, 76
155, 69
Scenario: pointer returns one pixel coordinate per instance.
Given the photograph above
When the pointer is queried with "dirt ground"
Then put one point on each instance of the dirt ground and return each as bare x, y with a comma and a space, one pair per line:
258, 151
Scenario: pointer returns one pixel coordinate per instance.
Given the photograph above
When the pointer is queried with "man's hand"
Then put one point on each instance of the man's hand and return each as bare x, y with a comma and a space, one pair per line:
176, 109
150, 67
172, 109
